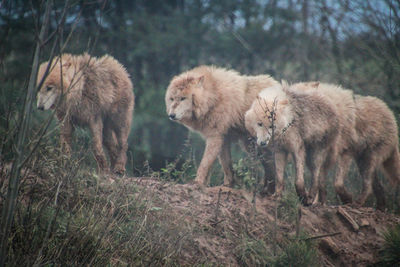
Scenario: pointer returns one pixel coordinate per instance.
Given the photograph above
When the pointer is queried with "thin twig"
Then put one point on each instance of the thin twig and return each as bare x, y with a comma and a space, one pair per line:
320, 236
217, 207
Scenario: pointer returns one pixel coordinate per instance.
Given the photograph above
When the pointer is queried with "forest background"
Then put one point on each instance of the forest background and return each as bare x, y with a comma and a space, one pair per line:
352, 43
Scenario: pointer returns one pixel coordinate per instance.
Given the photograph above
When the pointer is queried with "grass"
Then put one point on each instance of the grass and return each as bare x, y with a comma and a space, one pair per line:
67, 215
297, 253
288, 206
252, 252
389, 255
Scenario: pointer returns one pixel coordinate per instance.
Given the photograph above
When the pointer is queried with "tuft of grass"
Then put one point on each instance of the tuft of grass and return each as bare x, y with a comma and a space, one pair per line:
389, 255
288, 206
297, 253
252, 252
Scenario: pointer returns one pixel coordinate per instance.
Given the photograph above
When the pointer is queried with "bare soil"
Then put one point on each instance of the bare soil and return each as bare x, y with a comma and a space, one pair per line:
220, 217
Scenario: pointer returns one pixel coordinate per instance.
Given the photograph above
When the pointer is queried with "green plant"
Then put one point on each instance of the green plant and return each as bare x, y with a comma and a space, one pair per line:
252, 252
182, 175
389, 255
288, 206
244, 172
297, 253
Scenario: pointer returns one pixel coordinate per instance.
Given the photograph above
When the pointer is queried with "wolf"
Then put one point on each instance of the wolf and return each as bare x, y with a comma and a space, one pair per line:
302, 123
375, 146
367, 134
90, 92
212, 101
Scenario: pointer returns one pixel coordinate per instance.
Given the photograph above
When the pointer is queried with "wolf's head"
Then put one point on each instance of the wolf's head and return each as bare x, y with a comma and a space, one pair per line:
61, 77
269, 114
187, 98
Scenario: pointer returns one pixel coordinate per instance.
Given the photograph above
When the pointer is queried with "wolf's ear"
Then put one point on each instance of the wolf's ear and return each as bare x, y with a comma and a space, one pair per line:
65, 60
66, 64
200, 80
284, 83
184, 83
315, 84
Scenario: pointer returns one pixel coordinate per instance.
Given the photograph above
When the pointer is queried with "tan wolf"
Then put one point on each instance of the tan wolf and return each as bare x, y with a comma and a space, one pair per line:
343, 100
302, 123
212, 101
367, 133
374, 147
90, 92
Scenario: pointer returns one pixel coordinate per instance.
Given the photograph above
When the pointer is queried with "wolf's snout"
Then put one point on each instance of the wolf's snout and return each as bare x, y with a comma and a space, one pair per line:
172, 116
263, 143
41, 107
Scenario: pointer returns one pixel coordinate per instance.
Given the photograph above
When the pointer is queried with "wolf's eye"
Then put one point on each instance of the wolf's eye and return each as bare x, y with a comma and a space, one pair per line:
48, 88
183, 98
171, 99
260, 124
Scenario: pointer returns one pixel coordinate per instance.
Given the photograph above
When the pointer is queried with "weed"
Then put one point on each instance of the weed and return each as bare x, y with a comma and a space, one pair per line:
297, 253
252, 252
389, 255
288, 206
182, 175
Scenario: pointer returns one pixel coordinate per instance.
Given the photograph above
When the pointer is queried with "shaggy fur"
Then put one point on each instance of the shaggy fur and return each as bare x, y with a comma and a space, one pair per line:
212, 101
374, 146
368, 134
344, 104
90, 92
300, 122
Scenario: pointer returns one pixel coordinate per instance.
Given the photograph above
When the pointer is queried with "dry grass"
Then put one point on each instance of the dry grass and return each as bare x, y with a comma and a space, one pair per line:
67, 215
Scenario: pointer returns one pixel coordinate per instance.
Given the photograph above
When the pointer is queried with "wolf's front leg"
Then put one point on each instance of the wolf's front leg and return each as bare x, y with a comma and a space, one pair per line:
212, 150
280, 163
66, 131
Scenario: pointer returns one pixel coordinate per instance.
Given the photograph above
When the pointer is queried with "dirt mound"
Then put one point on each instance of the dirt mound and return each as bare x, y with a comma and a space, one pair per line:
225, 221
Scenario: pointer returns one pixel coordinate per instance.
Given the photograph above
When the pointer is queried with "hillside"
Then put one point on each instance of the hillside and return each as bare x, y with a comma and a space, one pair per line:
88, 220
225, 215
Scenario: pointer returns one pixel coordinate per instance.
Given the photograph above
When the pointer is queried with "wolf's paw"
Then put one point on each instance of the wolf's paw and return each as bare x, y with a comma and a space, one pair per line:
119, 170
230, 184
196, 185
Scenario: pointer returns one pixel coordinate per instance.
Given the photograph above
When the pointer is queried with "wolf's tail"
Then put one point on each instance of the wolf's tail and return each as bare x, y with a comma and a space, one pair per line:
392, 167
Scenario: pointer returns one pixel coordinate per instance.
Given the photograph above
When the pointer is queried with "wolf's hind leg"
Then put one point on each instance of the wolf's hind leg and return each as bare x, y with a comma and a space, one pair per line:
226, 162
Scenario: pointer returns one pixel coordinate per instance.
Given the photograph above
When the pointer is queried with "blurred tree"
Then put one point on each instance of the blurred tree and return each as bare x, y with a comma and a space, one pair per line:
354, 43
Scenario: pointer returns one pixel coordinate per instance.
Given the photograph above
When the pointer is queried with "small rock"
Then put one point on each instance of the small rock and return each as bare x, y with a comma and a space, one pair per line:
364, 222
